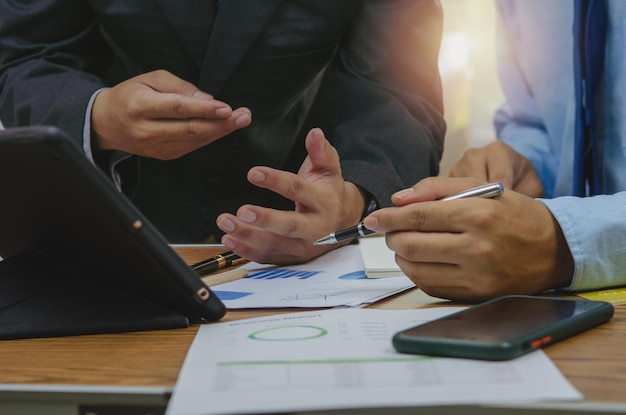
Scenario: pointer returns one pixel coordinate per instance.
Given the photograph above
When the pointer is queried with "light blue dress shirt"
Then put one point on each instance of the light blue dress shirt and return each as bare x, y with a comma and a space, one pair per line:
535, 58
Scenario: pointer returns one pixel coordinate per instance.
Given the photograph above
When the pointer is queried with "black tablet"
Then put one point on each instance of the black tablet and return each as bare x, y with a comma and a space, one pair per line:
78, 257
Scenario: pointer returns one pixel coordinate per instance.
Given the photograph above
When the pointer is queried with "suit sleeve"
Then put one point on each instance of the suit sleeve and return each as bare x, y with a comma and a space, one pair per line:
51, 56
380, 102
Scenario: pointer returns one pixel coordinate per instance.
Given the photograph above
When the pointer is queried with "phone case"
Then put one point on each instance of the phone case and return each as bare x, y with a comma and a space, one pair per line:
588, 314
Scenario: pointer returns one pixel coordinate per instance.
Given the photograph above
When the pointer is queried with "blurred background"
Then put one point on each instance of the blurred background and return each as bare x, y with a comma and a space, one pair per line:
471, 91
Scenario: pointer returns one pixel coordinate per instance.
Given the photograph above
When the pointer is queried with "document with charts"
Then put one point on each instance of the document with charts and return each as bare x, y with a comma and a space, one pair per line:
335, 279
340, 359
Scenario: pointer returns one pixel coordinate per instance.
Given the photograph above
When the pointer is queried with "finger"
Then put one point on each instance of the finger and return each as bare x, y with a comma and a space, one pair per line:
322, 163
433, 188
452, 216
471, 164
322, 156
439, 280
530, 185
164, 81
450, 281
246, 240
501, 168
430, 247
260, 245
411, 217
286, 184
431, 275
170, 139
196, 128
177, 98
455, 283
177, 106
288, 224
494, 162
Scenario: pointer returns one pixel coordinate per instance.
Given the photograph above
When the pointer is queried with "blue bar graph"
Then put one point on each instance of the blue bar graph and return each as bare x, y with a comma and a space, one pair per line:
271, 274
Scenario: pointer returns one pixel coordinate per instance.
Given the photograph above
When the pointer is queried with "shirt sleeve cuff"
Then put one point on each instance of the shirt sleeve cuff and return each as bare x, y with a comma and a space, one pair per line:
113, 158
87, 127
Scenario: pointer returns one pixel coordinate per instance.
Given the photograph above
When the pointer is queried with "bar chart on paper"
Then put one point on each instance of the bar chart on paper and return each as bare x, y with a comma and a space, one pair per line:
272, 274
335, 279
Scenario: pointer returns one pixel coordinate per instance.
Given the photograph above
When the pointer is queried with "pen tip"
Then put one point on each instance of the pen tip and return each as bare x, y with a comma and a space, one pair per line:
324, 241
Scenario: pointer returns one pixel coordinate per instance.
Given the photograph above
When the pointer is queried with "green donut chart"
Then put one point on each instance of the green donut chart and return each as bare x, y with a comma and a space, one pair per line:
289, 333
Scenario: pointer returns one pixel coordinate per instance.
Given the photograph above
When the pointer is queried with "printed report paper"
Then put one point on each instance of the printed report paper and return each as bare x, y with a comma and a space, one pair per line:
335, 279
343, 359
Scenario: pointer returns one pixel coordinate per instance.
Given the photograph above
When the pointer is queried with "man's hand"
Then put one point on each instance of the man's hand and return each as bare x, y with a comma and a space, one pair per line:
474, 249
323, 201
161, 116
498, 162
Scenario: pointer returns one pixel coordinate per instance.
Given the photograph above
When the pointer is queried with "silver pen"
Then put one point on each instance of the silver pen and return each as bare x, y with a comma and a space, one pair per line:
489, 190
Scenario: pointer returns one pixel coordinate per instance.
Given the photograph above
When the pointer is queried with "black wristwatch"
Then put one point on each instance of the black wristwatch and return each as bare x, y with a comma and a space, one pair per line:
370, 206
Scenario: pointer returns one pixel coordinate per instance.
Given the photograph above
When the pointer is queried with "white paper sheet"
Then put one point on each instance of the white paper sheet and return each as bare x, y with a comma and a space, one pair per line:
379, 260
334, 359
335, 279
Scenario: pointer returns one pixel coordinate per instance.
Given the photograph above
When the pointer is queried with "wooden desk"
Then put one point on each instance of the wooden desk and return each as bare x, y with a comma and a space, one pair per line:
134, 373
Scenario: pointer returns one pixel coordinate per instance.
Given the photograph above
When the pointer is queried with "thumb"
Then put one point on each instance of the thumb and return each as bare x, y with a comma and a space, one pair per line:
322, 156
433, 188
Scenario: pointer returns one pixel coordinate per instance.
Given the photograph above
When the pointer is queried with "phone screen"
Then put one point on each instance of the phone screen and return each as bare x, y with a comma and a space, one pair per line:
503, 328
502, 320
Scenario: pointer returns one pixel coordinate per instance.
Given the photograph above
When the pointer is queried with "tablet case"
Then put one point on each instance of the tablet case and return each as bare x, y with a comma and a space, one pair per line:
79, 258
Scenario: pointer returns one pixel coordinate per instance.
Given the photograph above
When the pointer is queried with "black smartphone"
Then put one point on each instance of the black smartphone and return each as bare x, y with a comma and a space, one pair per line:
503, 328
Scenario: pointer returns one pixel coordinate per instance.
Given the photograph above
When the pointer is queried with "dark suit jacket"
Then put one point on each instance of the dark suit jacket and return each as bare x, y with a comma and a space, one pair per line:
365, 71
